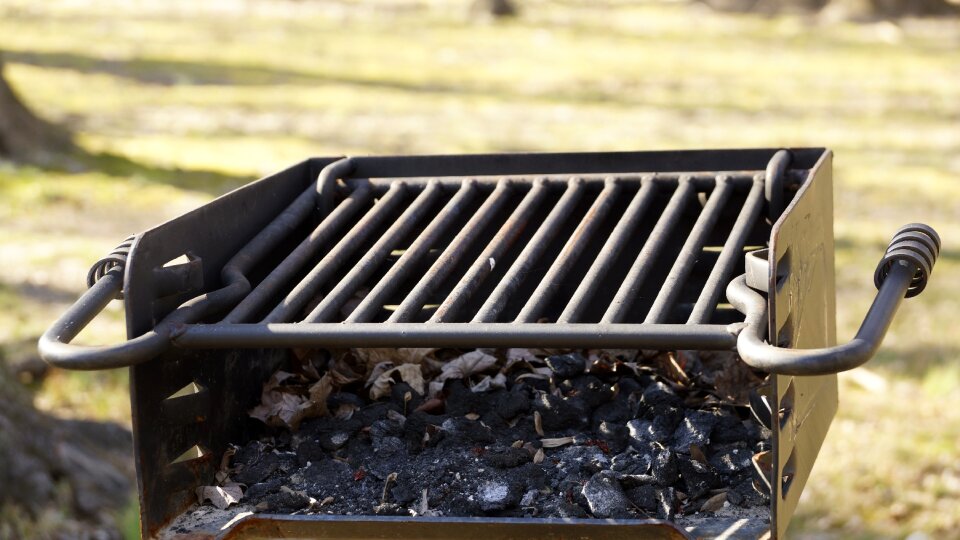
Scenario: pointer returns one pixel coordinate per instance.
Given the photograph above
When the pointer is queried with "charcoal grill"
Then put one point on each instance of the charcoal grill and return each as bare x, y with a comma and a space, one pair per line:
629, 250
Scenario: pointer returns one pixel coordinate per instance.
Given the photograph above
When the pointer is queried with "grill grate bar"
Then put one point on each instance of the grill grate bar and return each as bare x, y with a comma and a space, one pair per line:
332, 223
645, 261
575, 245
608, 255
418, 296
308, 287
730, 254
484, 265
374, 301
497, 300
330, 306
682, 267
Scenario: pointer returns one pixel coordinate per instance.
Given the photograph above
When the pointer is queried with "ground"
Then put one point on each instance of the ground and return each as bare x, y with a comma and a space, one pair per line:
176, 102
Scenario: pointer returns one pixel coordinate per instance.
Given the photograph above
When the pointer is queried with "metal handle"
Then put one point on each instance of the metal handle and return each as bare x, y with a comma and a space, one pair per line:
55, 347
902, 272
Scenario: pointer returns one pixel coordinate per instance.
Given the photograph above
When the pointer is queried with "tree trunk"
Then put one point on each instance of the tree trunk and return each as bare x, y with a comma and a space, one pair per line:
25, 137
59, 478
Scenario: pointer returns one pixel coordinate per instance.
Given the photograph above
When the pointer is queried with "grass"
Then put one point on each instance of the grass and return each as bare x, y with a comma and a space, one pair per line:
176, 103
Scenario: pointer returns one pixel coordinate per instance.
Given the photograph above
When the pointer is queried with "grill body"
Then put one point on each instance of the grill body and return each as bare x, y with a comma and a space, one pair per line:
218, 368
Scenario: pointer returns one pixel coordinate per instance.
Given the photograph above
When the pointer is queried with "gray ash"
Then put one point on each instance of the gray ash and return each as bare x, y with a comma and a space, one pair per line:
617, 439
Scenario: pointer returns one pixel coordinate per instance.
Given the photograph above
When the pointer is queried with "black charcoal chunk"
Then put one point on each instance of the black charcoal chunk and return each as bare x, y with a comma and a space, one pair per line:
658, 394
698, 478
470, 430
605, 497
730, 458
403, 494
632, 463
643, 432
665, 468
590, 389
462, 401
258, 491
256, 462
729, 429
375, 411
558, 413
390, 509
666, 503
334, 440
497, 495
567, 366
286, 501
506, 457
514, 403
695, 429
644, 497
406, 398
310, 450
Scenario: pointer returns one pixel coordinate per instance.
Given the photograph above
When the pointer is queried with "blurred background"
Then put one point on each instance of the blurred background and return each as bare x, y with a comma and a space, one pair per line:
118, 115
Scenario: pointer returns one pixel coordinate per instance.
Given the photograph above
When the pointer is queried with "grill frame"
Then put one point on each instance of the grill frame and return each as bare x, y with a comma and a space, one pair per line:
226, 377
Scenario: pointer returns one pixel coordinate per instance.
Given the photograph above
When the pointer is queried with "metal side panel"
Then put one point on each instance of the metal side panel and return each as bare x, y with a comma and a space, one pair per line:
802, 315
205, 417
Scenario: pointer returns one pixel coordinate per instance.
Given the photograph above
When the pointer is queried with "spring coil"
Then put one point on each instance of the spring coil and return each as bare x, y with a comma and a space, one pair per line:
116, 258
915, 243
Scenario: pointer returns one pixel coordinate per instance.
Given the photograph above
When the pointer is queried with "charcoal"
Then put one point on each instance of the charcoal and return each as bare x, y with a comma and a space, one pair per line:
658, 394
390, 509
666, 503
334, 440
286, 501
254, 469
497, 495
567, 366
644, 497
613, 412
506, 457
605, 497
730, 429
310, 450
462, 401
533, 475
632, 464
590, 389
643, 432
695, 429
665, 468
403, 494
262, 489
345, 398
698, 478
470, 430
558, 413
615, 435
399, 394
375, 411
624, 445
514, 403
731, 458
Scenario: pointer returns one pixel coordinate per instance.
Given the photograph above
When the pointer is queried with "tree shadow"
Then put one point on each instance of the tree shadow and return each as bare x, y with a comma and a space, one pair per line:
207, 181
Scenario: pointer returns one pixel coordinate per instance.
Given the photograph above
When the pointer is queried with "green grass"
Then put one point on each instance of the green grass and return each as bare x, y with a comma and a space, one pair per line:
176, 103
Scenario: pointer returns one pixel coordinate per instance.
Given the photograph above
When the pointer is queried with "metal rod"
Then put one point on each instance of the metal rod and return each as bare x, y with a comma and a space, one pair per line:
448, 260
331, 225
759, 354
712, 337
414, 255
646, 260
328, 308
308, 287
485, 263
612, 249
570, 253
531, 252
673, 284
700, 180
732, 250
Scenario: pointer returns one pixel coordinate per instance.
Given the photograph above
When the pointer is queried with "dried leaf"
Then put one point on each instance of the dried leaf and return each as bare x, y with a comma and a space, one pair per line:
328, 500
517, 444
472, 416
714, 503
538, 423
462, 367
281, 408
539, 456
554, 443
697, 454
408, 373
345, 411
220, 496
371, 357
489, 383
